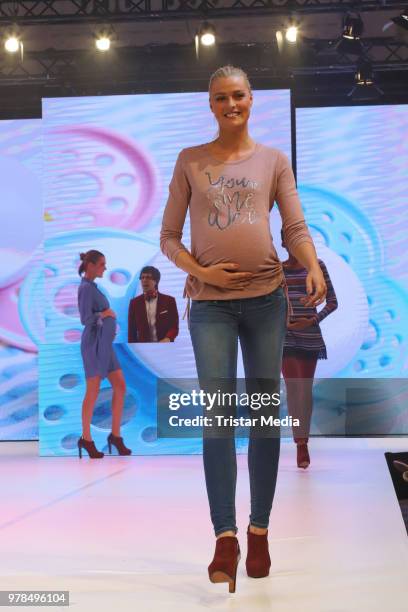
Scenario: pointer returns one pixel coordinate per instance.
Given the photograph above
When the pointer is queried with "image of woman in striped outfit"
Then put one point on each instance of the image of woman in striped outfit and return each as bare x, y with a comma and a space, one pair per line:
303, 346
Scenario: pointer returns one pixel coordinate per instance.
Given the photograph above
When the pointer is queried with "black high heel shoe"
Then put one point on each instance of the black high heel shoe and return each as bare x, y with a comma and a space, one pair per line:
89, 446
118, 443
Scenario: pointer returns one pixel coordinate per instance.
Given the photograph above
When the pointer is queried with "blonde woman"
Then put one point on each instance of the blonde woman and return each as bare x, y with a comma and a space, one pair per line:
236, 284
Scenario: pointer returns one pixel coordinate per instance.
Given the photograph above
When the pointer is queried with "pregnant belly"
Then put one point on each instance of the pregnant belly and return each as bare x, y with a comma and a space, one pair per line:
109, 328
249, 259
250, 247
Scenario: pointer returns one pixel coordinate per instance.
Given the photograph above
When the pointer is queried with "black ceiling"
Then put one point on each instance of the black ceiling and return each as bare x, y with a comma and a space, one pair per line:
154, 49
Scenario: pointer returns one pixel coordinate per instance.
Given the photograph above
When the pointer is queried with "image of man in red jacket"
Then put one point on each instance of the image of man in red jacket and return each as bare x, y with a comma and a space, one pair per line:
153, 316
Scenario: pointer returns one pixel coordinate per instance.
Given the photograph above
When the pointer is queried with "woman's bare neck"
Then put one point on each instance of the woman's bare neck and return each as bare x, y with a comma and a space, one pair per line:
232, 146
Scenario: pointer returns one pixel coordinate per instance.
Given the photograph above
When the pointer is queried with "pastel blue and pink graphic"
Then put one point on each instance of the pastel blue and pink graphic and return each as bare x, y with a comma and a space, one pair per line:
107, 164
21, 231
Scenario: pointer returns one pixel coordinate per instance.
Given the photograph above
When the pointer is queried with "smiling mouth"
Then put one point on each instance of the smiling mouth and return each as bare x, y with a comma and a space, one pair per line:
233, 114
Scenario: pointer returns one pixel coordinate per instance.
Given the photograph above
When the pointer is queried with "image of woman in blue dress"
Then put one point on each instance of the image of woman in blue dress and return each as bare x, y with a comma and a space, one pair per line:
98, 354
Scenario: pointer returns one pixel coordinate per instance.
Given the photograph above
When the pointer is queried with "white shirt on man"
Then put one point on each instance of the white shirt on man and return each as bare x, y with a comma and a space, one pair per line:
151, 309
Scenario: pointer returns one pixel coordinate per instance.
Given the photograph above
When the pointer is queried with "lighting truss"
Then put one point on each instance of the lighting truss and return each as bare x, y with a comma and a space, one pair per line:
76, 66
92, 11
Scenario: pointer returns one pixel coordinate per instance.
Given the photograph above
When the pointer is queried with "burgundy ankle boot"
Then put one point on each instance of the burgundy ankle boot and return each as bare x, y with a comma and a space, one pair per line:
223, 568
258, 560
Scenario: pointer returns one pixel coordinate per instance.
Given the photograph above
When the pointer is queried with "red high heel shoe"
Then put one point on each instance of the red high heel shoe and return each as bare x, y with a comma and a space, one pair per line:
303, 458
118, 443
89, 446
258, 560
223, 567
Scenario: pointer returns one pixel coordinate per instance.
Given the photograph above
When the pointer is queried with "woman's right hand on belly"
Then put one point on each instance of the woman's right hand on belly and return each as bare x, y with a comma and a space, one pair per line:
108, 313
224, 275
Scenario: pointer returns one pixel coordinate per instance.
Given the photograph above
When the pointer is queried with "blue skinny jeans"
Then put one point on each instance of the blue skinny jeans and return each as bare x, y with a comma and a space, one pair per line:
215, 327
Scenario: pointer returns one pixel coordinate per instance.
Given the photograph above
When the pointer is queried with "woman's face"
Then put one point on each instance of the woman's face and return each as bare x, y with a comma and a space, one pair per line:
97, 269
231, 102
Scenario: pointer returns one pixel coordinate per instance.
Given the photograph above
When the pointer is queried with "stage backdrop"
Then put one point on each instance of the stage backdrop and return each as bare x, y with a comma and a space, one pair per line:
21, 233
107, 166
108, 163
352, 168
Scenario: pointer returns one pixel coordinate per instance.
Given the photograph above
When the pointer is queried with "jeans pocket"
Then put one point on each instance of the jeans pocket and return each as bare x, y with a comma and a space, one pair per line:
277, 294
199, 308
199, 304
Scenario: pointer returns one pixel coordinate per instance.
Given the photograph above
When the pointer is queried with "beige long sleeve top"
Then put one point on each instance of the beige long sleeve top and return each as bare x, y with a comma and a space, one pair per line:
229, 205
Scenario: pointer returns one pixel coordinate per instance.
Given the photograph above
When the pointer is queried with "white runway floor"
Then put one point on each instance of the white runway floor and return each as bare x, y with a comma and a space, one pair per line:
133, 535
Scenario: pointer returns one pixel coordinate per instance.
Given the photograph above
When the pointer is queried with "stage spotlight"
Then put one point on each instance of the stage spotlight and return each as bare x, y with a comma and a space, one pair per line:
206, 34
103, 43
350, 39
365, 88
364, 75
399, 27
402, 20
12, 44
12, 40
291, 34
353, 27
103, 38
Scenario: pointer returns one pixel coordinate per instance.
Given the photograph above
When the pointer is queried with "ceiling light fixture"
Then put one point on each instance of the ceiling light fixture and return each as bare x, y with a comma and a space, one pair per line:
104, 37
365, 88
291, 34
206, 34
402, 20
350, 42
12, 40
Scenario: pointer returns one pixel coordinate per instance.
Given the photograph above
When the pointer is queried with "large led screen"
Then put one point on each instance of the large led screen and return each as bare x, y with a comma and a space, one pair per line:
108, 163
21, 234
352, 168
